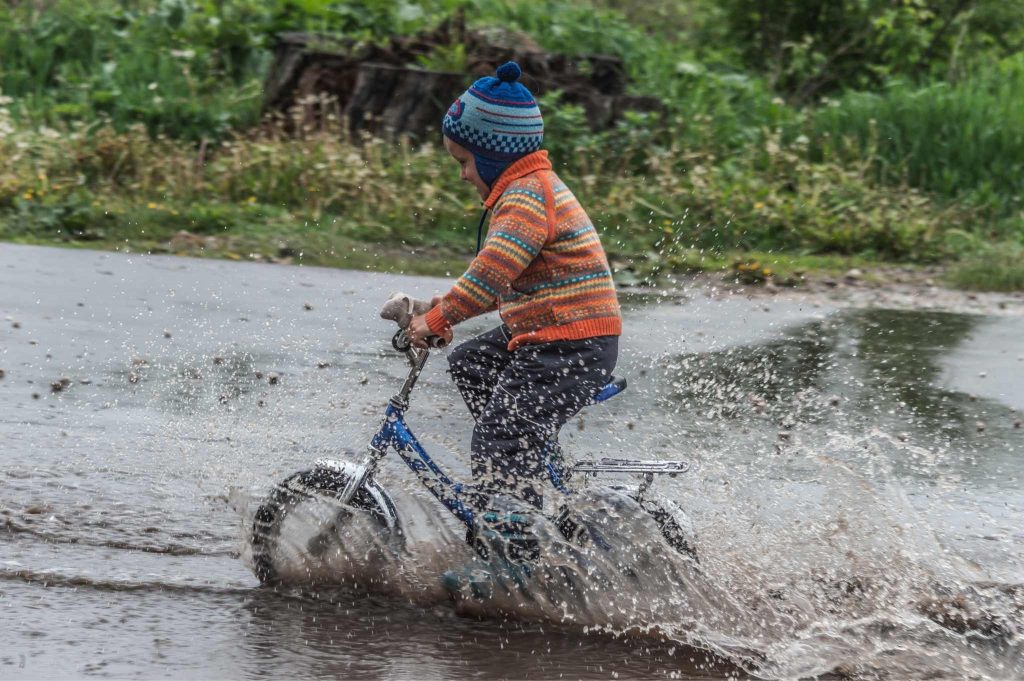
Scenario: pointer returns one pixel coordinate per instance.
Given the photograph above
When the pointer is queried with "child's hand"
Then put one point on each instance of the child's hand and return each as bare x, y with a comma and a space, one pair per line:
419, 332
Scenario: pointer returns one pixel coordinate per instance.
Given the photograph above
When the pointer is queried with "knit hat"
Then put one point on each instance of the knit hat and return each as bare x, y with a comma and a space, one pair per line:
497, 120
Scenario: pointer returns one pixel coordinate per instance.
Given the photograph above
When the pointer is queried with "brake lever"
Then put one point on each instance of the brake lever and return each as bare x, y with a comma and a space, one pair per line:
400, 341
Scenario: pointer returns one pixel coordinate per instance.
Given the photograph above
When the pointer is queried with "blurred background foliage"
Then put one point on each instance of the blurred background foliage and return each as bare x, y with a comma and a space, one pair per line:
889, 129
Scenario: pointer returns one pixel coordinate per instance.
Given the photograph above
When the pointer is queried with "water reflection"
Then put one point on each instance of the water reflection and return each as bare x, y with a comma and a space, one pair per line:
340, 634
859, 371
901, 355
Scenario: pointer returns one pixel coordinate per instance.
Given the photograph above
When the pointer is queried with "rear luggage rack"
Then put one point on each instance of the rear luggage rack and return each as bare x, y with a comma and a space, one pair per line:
608, 465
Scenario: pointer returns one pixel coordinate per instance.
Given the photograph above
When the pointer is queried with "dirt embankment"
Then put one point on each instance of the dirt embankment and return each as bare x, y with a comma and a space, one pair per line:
884, 287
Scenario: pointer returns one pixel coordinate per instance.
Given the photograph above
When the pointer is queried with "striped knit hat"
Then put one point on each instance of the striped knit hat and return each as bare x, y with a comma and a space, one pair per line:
497, 120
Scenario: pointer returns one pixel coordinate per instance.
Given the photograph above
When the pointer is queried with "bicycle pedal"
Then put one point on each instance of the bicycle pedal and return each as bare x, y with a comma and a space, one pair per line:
511, 538
578, 532
570, 528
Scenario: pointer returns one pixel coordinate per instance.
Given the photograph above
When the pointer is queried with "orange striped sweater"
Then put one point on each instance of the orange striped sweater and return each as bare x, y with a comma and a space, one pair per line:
542, 264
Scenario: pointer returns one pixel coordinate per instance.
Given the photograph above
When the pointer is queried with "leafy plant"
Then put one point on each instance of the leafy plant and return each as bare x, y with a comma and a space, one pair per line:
809, 48
450, 58
964, 140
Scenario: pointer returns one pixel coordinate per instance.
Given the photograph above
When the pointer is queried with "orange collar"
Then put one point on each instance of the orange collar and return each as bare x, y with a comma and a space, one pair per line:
530, 163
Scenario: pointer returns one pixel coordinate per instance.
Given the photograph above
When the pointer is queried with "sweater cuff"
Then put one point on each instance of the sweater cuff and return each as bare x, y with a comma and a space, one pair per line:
437, 322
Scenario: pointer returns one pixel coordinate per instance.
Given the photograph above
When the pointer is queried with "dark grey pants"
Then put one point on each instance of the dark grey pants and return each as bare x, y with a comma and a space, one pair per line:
521, 399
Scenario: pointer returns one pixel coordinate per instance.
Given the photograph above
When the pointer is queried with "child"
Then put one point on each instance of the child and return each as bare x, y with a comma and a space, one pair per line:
543, 268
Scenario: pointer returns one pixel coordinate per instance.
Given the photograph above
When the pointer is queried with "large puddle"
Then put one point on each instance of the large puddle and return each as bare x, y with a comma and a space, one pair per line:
856, 485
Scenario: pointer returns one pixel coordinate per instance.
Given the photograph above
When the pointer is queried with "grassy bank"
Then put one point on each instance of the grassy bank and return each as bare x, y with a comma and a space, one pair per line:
330, 196
136, 125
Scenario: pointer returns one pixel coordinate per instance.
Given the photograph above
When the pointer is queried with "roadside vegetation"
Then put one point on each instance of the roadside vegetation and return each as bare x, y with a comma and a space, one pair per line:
878, 132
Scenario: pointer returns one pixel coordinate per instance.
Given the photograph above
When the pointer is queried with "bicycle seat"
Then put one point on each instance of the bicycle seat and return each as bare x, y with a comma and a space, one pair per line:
613, 387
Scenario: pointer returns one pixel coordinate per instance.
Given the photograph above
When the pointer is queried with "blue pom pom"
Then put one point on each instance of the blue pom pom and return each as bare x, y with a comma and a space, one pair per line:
509, 72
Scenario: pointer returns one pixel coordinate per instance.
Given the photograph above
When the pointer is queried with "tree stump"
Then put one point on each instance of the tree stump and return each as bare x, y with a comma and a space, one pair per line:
390, 100
376, 88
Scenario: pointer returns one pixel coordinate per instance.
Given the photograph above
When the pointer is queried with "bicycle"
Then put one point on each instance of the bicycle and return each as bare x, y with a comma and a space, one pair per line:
353, 485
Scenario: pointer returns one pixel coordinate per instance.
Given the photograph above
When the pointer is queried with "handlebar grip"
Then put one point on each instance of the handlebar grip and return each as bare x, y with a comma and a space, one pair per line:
400, 341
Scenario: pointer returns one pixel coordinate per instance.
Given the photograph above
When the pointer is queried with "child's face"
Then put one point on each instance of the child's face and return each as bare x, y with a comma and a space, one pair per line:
467, 165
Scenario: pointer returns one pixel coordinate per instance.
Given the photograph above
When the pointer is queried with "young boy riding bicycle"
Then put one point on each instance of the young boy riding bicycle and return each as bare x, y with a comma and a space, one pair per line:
543, 268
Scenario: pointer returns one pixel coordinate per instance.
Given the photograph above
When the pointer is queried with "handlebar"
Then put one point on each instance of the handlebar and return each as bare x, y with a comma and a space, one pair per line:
400, 341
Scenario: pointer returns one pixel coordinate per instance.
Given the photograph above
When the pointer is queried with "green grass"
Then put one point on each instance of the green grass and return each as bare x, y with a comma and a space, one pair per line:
265, 239
964, 140
111, 107
193, 69
745, 267
188, 69
994, 269
769, 198
250, 232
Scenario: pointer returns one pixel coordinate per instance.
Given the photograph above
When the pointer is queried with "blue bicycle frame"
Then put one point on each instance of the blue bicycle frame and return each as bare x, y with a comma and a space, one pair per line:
395, 433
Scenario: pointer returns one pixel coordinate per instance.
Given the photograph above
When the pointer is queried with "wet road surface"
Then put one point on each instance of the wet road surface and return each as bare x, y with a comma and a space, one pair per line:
147, 403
